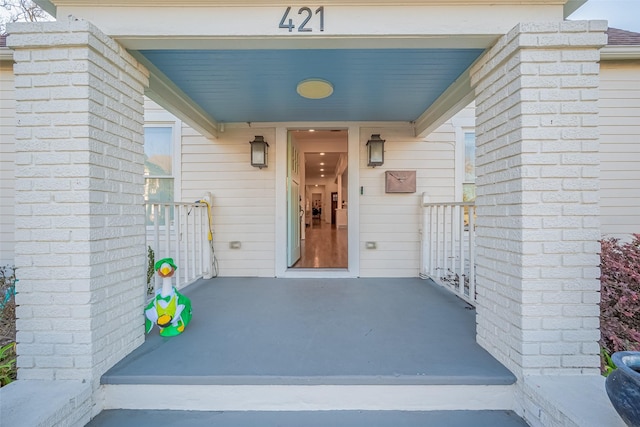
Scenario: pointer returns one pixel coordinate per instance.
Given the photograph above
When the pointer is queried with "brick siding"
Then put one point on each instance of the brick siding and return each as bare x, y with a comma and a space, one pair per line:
537, 197
80, 234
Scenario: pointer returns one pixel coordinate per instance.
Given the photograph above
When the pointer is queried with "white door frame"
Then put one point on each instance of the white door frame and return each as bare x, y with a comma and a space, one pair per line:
353, 202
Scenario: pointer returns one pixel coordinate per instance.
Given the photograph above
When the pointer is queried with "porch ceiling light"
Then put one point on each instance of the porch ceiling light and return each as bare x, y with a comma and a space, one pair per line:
375, 151
259, 151
314, 88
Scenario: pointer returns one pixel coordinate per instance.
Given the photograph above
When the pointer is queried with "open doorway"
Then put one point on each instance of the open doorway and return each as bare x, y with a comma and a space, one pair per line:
323, 198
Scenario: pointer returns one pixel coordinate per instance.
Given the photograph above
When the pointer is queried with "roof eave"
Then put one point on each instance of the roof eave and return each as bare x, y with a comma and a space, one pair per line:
6, 54
616, 53
571, 6
47, 6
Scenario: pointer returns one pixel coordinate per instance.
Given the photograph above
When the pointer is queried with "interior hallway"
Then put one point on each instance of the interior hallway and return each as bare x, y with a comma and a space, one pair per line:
324, 246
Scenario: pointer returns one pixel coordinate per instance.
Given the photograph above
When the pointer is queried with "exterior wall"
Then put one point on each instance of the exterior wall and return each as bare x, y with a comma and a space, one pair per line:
620, 148
537, 198
7, 158
243, 197
393, 220
79, 218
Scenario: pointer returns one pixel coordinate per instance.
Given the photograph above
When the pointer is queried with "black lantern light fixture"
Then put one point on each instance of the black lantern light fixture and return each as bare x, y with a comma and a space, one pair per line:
259, 151
375, 151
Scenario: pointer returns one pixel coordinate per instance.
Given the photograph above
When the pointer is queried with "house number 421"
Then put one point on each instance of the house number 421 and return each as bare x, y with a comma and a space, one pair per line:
306, 15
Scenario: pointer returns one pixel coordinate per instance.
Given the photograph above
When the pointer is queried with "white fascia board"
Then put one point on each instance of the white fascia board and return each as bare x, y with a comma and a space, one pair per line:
200, 27
170, 97
616, 53
217, 3
455, 98
572, 5
47, 6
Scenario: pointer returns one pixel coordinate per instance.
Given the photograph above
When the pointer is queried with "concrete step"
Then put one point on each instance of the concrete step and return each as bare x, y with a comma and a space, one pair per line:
143, 418
368, 397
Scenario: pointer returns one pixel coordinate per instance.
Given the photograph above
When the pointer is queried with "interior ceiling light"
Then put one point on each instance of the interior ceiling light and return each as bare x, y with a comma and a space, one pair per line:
322, 154
314, 88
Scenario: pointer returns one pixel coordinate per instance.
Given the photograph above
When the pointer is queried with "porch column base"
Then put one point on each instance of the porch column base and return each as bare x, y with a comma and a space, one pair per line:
45, 403
567, 400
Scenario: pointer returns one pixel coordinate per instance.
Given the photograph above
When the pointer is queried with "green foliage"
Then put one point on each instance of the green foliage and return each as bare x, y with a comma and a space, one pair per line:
8, 369
607, 364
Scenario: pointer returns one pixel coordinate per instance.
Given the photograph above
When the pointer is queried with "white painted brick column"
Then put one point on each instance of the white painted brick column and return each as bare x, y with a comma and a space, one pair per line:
80, 230
537, 198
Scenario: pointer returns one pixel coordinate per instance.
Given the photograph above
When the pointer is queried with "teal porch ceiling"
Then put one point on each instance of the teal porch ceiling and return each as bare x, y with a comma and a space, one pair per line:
260, 85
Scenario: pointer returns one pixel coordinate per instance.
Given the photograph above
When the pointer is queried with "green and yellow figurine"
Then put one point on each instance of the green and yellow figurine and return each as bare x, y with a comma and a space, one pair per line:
169, 309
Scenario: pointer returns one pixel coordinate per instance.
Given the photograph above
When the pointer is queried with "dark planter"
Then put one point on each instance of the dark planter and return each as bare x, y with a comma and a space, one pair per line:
623, 386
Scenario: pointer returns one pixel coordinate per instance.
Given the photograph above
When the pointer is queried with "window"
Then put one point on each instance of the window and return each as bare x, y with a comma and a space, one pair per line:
158, 168
469, 180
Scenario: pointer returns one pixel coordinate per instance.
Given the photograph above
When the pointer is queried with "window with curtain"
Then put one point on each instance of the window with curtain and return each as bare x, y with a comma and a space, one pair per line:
158, 168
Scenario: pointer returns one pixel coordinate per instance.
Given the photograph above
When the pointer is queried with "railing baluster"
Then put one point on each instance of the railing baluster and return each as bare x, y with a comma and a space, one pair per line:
155, 209
472, 255
185, 242
446, 258
201, 239
445, 241
192, 246
437, 236
460, 210
431, 241
177, 233
452, 225
167, 232
184, 239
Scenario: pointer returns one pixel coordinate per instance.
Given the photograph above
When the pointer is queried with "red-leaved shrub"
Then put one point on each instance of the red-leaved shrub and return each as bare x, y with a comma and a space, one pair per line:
620, 295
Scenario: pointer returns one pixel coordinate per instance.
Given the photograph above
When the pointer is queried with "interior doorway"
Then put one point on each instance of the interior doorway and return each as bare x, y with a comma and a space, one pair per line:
323, 184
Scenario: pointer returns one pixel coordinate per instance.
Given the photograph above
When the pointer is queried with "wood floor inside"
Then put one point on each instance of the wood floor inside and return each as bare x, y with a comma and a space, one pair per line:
324, 246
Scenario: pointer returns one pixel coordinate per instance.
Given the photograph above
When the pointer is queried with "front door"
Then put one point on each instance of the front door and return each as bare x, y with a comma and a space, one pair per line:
294, 208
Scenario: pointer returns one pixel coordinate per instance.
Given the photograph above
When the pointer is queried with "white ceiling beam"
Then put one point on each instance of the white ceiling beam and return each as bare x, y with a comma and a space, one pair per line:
166, 94
455, 98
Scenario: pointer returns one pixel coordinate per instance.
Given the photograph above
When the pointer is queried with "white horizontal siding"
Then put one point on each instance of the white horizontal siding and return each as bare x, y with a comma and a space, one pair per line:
620, 148
243, 197
7, 157
393, 220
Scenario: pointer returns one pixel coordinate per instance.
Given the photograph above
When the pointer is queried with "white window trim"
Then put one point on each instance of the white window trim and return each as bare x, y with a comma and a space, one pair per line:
176, 165
461, 126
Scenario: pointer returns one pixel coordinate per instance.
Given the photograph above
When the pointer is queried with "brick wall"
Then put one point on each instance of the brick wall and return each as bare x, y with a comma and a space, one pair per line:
80, 242
537, 197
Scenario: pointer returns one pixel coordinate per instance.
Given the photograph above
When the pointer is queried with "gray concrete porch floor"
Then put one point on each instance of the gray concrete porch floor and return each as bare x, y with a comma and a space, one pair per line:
317, 331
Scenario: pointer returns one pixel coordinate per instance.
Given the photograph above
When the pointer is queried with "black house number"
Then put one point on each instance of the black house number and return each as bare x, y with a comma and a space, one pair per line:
306, 14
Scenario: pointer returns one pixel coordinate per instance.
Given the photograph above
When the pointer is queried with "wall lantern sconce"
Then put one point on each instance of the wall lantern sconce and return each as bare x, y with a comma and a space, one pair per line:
259, 151
375, 151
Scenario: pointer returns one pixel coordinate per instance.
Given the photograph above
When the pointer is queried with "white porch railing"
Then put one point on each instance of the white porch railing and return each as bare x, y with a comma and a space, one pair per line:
187, 239
448, 246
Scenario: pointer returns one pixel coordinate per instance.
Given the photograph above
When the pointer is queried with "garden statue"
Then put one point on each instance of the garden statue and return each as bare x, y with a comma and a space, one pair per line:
169, 309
